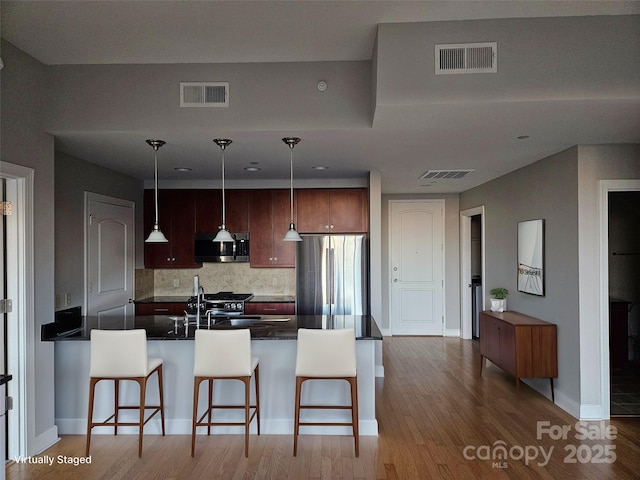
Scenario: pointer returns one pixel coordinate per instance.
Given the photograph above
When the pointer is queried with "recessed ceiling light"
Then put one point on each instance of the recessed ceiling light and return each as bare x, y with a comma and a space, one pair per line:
523, 137
322, 85
320, 167
252, 169
182, 169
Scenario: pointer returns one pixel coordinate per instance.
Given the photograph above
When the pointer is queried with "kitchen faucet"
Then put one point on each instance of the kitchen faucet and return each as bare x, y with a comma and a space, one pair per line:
199, 298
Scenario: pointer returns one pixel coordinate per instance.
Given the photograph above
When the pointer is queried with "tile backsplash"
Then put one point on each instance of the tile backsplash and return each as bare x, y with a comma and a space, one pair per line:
216, 277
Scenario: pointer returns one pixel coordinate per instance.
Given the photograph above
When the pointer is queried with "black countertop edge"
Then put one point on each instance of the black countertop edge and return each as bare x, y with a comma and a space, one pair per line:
5, 379
185, 299
269, 327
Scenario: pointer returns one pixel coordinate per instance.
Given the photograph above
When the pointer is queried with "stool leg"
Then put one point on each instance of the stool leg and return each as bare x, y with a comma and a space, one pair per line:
116, 404
296, 426
196, 388
92, 388
247, 406
143, 384
210, 406
354, 413
257, 380
161, 390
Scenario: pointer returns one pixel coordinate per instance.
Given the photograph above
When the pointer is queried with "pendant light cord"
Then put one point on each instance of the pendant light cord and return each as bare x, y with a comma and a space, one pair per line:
155, 175
223, 202
291, 183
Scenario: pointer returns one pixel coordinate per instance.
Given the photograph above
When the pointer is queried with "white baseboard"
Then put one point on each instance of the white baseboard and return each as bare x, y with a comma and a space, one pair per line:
379, 371
44, 441
386, 332
591, 412
452, 332
76, 426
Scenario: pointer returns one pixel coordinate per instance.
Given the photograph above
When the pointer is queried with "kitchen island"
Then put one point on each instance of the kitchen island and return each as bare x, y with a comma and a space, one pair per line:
274, 340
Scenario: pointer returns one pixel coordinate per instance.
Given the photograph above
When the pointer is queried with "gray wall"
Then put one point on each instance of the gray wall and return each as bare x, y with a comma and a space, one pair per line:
547, 189
74, 177
452, 257
563, 190
24, 142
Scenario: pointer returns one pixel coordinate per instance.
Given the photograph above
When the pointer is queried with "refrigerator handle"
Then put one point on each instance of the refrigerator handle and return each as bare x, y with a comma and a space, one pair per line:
331, 275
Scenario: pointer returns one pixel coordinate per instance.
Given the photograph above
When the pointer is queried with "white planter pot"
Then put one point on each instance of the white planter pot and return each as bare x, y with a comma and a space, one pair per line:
498, 305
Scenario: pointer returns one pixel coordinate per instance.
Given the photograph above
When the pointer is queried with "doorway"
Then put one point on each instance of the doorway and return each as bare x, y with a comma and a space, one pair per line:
624, 302
19, 325
472, 265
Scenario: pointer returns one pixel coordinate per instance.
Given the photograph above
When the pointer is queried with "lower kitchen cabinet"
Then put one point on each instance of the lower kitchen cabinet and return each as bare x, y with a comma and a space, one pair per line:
269, 308
160, 308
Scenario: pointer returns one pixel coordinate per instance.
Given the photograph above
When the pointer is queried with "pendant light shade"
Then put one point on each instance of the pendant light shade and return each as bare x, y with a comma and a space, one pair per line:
292, 234
223, 235
156, 236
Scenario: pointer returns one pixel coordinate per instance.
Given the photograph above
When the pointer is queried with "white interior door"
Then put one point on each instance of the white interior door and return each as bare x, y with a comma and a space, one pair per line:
417, 266
110, 255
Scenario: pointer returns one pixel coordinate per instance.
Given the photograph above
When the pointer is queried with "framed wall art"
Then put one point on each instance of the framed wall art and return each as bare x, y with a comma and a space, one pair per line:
531, 257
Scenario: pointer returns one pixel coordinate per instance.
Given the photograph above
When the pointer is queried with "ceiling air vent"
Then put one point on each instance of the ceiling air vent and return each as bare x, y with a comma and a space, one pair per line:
204, 94
447, 174
467, 58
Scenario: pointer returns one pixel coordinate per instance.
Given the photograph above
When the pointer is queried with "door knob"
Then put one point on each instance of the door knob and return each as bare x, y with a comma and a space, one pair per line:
395, 280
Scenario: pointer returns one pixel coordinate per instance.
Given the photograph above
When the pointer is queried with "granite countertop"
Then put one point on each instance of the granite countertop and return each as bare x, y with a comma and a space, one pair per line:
267, 327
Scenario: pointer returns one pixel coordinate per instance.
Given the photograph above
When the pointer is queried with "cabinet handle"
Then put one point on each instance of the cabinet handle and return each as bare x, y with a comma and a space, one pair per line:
160, 309
330, 226
269, 309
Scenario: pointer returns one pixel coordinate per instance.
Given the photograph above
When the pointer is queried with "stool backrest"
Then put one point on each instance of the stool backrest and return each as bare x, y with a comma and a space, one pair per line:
118, 353
222, 353
326, 353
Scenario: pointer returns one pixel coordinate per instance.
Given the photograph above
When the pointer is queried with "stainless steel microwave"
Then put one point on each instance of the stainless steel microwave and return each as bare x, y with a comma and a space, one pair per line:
206, 250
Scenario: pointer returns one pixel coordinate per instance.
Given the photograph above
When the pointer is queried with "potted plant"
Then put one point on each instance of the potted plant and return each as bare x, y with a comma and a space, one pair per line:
498, 299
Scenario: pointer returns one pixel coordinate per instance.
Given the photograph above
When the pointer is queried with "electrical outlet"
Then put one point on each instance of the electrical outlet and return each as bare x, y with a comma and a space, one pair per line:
275, 280
67, 299
176, 282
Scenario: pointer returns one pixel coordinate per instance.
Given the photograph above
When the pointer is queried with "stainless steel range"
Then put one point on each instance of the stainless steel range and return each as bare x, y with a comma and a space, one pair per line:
221, 303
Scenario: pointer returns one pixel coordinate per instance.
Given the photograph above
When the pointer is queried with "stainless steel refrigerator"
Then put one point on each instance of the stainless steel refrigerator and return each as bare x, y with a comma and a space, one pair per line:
332, 275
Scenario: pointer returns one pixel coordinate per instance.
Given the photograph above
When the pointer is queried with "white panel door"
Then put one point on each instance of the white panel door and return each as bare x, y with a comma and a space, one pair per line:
417, 280
110, 255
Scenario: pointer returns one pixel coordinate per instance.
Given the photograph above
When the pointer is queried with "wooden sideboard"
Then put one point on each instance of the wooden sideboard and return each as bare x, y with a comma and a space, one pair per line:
523, 346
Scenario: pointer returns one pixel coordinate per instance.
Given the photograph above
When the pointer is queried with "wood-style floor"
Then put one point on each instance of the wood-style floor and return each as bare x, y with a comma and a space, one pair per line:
433, 408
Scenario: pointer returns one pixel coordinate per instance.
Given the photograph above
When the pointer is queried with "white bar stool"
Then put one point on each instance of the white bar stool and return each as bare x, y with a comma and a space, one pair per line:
224, 355
122, 355
326, 355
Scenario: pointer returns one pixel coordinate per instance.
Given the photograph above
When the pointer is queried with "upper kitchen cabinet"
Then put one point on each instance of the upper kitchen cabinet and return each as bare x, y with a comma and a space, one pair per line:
332, 210
269, 219
177, 220
209, 210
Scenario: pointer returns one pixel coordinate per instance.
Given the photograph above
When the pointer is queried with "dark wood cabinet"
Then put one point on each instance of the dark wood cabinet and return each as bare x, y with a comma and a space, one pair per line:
523, 346
269, 217
177, 216
270, 308
332, 210
209, 210
160, 308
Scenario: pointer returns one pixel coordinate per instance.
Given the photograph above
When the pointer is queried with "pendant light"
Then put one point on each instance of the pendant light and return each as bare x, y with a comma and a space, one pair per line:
223, 235
156, 236
292, 235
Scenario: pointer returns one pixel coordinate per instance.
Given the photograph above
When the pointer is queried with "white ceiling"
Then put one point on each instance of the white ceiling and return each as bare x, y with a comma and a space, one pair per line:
185, 32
